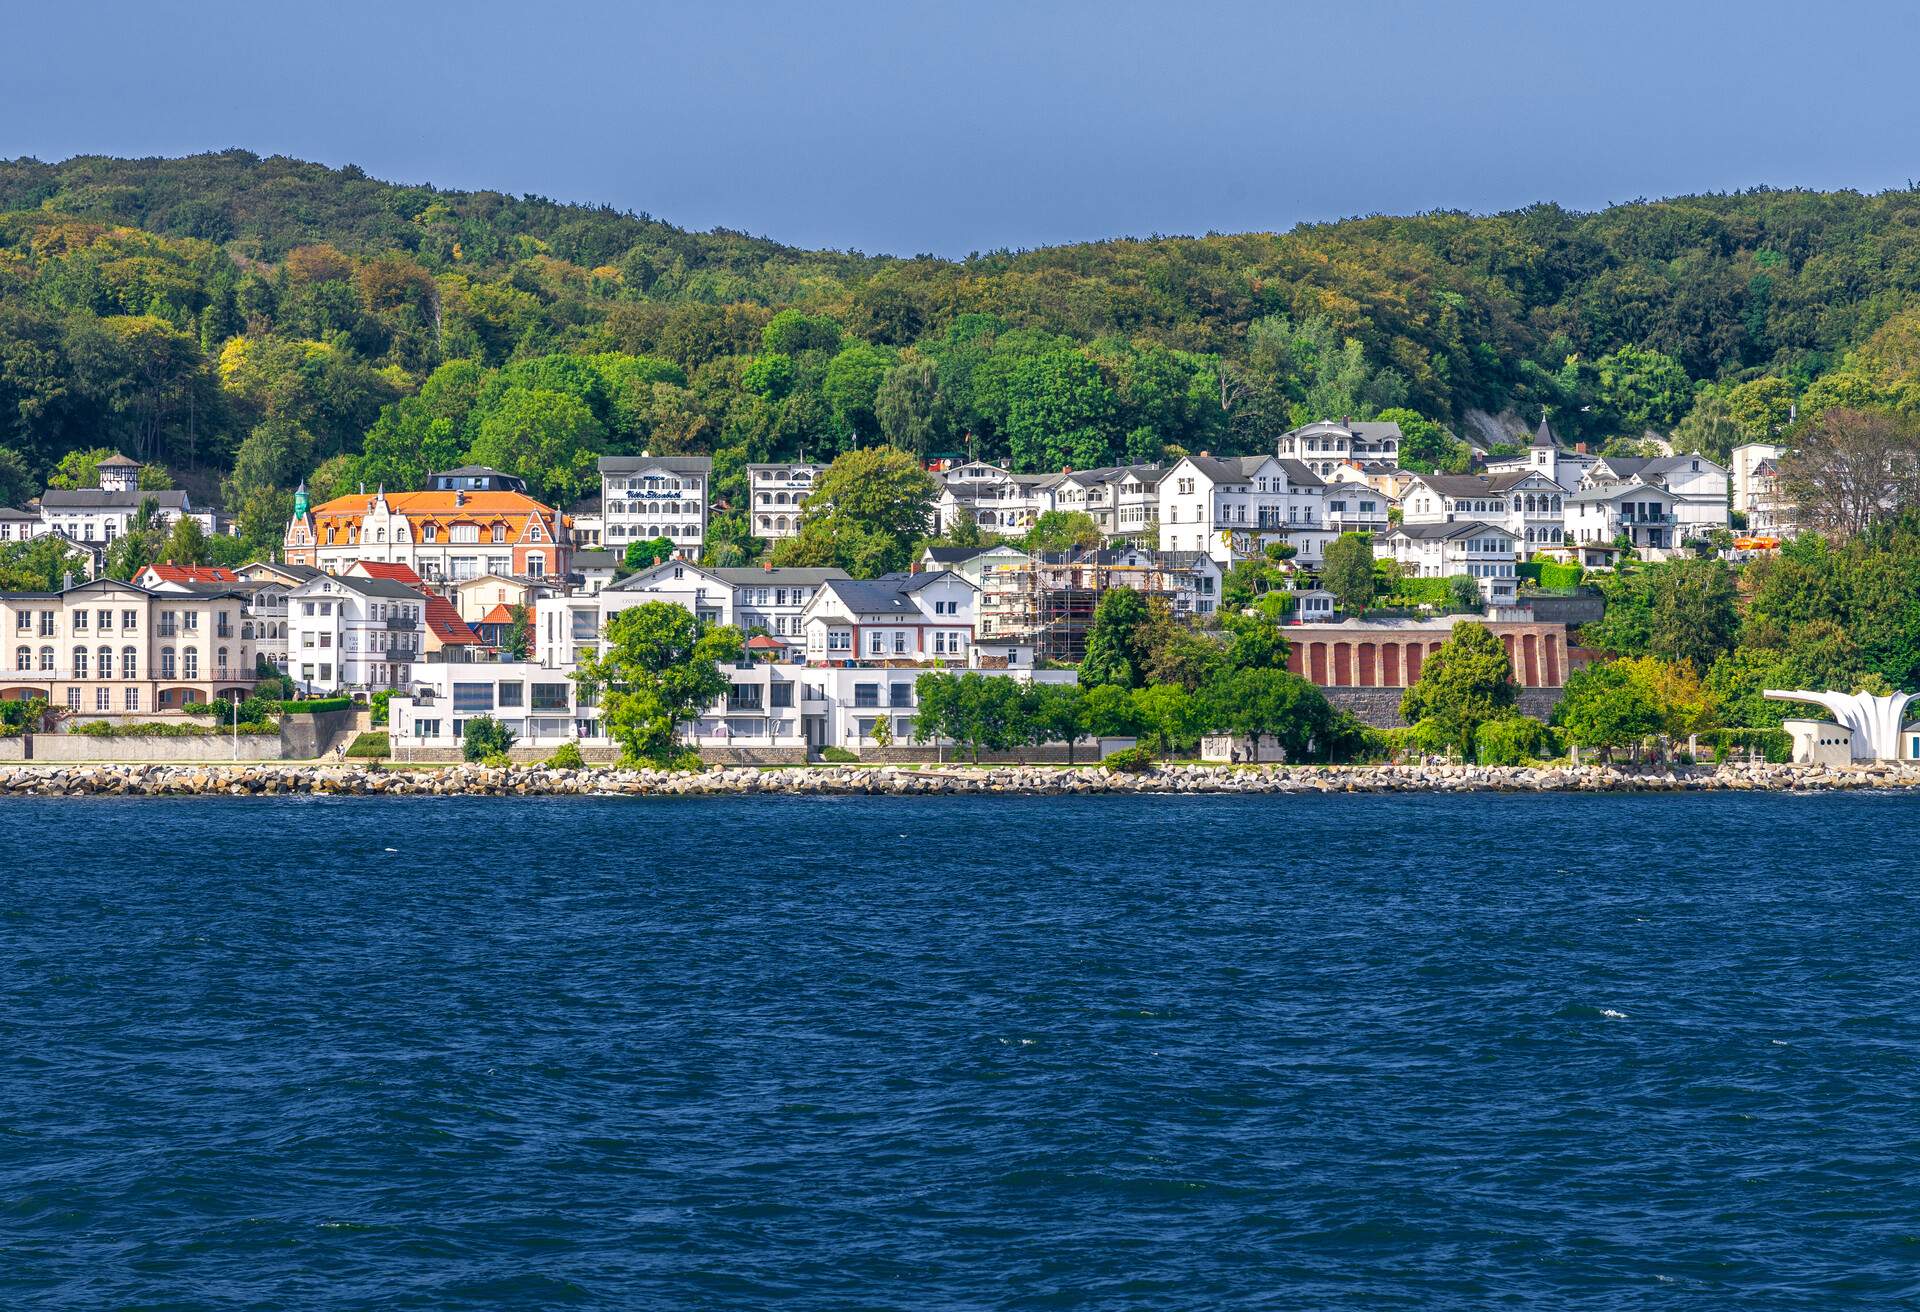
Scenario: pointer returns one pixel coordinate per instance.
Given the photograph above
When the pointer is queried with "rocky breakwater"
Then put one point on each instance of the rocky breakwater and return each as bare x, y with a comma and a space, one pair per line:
271, 779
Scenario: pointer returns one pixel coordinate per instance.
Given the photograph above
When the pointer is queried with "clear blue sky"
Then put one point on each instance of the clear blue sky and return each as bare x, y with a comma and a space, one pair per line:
949, 128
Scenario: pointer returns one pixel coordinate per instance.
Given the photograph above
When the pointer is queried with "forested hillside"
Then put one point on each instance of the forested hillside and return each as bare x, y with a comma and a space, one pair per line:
250, 322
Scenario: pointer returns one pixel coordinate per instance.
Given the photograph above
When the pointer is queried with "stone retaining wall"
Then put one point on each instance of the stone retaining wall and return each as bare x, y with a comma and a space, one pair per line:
270, 779
1380, 707
79, 747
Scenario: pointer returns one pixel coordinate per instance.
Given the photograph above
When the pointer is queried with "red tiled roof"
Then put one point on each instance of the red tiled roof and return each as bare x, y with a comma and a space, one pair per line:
446, 623
382, 569
761, 642
194, 573
500, 614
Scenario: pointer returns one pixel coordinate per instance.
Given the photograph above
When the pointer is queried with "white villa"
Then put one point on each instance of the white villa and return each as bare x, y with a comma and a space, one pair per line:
1232, 508
775, 495
1484, 552
647, 496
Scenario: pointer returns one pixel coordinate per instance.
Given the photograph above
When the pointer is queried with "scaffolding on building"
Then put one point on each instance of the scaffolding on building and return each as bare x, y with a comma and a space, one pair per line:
1049, 600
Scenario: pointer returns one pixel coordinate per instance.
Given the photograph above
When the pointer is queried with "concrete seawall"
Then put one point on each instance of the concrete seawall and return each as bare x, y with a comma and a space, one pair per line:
267, 779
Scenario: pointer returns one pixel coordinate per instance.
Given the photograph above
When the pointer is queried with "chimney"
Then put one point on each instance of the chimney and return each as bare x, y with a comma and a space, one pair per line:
1206, 455
459, 499
767, 565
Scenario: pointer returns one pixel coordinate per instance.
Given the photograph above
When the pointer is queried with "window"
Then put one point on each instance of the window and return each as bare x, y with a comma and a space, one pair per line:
586, 625
744, 697
23, 658
876, 643
190, 663
80, 621
900, 694
131, 701
106, 662
472, 696
129, 663
103, 699
839, 640
79, 662
426, 728
866, 694
499, 532
512, 695
73, 699
780, 695
899, 642
549, 696
23, 621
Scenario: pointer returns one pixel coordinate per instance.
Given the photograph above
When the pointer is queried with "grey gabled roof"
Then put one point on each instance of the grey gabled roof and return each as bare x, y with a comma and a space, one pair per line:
673, 464
1457, 485
748, 576
375, 587
594, 559
887, 594
1611, 491
93, 498
1460, 528
1299, 475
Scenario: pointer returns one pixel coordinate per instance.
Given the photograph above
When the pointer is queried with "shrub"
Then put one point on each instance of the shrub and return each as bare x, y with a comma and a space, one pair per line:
1132, 760
1775, 745
496, 760
316, 706
485, 737
376, 744
104, 729
377, 705
1513, 740
838, 755
1554, 574
567, 757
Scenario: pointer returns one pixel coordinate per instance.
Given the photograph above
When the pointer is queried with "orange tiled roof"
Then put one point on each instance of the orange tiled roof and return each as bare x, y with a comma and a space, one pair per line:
439, 504
500, 614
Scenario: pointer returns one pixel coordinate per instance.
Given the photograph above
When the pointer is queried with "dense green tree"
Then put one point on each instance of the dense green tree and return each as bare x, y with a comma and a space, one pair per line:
1606, 707
1693, 616
1270, 703
1170, 713
660, 670
548, 438
866, 512
1056, 713
1347, 571
485, 738
1062, 530
1117, 651
1061, 413
1467, 682
40, 564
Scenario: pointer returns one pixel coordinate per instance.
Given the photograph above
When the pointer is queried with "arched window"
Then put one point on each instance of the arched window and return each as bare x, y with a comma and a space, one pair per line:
220, 662
106, 662
499, 532
129, 663
189, 662
166, 662
79, 662
46, 659
23, 659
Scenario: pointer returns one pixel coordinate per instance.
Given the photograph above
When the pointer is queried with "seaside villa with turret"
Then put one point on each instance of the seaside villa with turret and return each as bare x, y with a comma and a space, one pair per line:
468, 522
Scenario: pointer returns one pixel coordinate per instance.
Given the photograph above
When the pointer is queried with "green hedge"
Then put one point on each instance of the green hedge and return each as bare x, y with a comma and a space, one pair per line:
317, 706
839, 755
1553, 574
1528, 571
102, 729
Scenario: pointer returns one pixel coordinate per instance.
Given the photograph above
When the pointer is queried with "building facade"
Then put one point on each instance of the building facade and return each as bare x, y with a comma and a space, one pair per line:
441, 535
1233, 508
1486, 553
646, 496
108, 648
775, 495
1324, 446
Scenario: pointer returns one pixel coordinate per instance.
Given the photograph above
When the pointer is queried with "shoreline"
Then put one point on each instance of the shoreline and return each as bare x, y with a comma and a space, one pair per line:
281, 779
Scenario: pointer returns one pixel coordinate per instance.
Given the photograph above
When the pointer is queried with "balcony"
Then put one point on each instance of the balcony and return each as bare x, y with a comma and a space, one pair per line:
400, 623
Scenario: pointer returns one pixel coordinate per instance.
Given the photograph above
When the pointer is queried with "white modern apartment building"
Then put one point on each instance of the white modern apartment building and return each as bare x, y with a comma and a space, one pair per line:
647, 496
1324, 446
1525, 502
1484, 552
775, 495
1233, 507
769, 707
348, 633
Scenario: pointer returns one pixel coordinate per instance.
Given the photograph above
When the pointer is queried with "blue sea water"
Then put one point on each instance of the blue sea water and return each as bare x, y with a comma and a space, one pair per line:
1327, 1052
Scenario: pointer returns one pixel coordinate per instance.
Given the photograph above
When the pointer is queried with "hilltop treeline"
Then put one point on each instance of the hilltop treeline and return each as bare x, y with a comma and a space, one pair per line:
251, 322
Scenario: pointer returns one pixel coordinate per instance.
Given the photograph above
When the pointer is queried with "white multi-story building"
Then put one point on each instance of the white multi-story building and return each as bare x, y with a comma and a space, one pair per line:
770, 601
1744, 476
784, 710
350, 633
1233, 507
1356, 505
1525, 502
1701, 488
1123, 500
1547, 455
775, 495
102, 514
1640, 512
266, 584
904, 618
996, 499
647, 496
1326, 445
1483, 552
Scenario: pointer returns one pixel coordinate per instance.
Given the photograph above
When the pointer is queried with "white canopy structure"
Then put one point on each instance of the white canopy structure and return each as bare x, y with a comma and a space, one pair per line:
1876, 721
